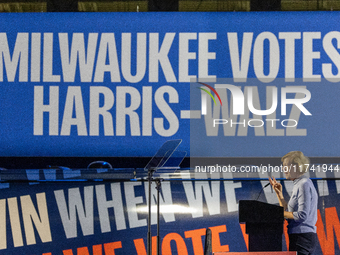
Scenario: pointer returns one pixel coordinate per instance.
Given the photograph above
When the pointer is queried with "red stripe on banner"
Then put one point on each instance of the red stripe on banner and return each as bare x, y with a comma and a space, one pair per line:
245, 235
326, 240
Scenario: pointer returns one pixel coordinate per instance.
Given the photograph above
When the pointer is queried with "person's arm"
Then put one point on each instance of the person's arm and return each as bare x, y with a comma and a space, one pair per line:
277, 187
278, 190
288, 215
304, 198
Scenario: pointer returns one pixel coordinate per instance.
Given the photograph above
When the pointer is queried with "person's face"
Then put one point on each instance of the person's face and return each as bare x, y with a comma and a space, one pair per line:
290, 170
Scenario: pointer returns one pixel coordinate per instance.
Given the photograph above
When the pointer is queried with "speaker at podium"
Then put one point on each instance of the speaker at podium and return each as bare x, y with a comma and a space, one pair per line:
264, 225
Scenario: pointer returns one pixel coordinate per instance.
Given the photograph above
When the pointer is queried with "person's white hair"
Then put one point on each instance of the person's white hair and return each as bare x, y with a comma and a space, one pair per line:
299, 159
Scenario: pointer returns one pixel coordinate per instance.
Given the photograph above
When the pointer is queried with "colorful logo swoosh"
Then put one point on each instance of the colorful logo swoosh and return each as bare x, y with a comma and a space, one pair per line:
211, 88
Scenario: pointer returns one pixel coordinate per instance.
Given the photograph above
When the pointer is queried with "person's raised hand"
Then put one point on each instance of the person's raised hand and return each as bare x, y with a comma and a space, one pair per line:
277, 187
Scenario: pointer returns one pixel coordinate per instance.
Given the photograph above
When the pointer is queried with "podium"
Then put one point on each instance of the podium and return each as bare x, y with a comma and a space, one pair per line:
264, 225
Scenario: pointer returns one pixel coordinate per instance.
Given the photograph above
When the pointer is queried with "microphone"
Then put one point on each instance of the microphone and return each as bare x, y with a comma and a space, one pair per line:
262, 190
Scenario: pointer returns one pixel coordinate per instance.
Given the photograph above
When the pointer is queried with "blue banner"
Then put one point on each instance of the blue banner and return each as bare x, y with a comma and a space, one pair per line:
120, 84
82, 212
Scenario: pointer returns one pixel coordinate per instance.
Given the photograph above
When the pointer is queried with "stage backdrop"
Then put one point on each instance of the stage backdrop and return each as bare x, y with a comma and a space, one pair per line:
120, 84
70, 212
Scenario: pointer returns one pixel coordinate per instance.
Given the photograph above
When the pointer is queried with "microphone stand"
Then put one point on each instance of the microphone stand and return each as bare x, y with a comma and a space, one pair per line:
150, 173
158, 187
262, 190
